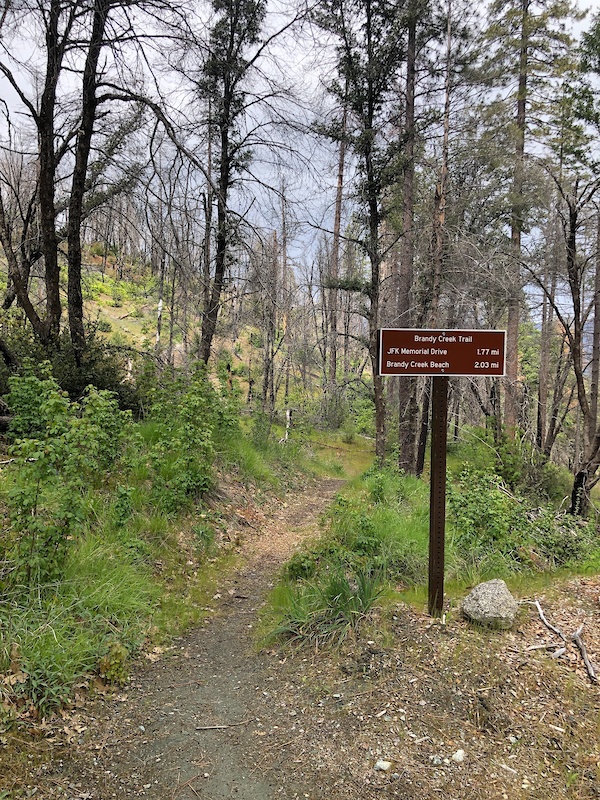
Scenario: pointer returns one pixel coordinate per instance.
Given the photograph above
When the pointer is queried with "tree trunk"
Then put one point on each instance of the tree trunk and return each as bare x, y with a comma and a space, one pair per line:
430, 311
172, 315
438, 239
19, 282
208, 214
161, 292
545, 345
424, 432
334, 265
211, 312
270, 327
407, 387
82, 154
47, 176
595, 378
516, 227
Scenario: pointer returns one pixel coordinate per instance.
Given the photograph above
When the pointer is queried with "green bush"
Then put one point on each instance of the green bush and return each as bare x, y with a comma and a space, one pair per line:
86, 499
59, 453
493, 525
182, 455
362, 411
515, 461
188, 421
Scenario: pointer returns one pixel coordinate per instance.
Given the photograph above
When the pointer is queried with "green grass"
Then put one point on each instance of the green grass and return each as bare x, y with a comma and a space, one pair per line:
325, 610
251, 464
355, 457
379, 527
141, 566
57, 633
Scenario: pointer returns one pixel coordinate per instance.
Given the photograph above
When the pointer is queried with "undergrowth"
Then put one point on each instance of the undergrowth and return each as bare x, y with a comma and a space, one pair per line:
107, 542
327, 609
376, 536
497, 532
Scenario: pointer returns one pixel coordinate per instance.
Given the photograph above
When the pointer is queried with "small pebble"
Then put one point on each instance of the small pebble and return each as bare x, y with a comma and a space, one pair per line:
382, 765
459, 756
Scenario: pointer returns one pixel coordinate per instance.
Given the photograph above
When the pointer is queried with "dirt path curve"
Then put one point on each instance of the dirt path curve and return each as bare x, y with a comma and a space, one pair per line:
191, 725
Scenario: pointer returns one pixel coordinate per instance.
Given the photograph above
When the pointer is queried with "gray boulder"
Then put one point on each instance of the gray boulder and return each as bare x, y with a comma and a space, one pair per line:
491, 604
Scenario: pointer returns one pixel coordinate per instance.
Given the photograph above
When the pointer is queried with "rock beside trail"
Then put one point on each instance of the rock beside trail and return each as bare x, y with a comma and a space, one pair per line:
491, 604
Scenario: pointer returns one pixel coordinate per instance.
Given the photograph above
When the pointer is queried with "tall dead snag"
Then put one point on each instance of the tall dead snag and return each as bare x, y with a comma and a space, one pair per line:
89, 105
269, 332
334, 271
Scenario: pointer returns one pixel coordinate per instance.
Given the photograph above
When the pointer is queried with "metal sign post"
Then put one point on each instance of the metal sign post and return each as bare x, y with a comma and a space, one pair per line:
440, 353
437, 494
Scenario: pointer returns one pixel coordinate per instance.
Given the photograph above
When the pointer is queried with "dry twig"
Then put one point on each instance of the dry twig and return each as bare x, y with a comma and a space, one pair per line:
222, 727
548, 624
576, 637
187, 785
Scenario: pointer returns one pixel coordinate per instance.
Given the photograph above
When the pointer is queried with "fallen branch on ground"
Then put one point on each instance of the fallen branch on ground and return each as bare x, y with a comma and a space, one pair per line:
222, 727
548, 624
576, 637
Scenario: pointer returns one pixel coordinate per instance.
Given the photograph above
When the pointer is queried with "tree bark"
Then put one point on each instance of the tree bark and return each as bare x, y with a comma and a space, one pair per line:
82, 154
407, 387
335, 260
595, 378
545, 344
511, 405
211, 312
47, 174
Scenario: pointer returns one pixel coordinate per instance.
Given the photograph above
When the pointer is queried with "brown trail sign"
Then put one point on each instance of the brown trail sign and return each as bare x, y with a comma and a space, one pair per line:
408, 351
440, 353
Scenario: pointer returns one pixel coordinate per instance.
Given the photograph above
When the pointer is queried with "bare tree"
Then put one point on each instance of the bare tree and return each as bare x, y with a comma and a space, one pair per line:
57, 93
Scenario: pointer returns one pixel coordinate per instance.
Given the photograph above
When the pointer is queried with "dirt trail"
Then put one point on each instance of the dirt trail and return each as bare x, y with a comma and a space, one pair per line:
191, 725
409, 708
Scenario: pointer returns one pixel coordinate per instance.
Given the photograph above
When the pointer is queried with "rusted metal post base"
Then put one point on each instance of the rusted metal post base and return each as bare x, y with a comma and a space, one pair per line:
437, 507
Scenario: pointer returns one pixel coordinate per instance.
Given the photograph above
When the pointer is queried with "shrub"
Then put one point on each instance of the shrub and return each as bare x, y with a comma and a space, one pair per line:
183, 452
522, 467
62, 451
492, 524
